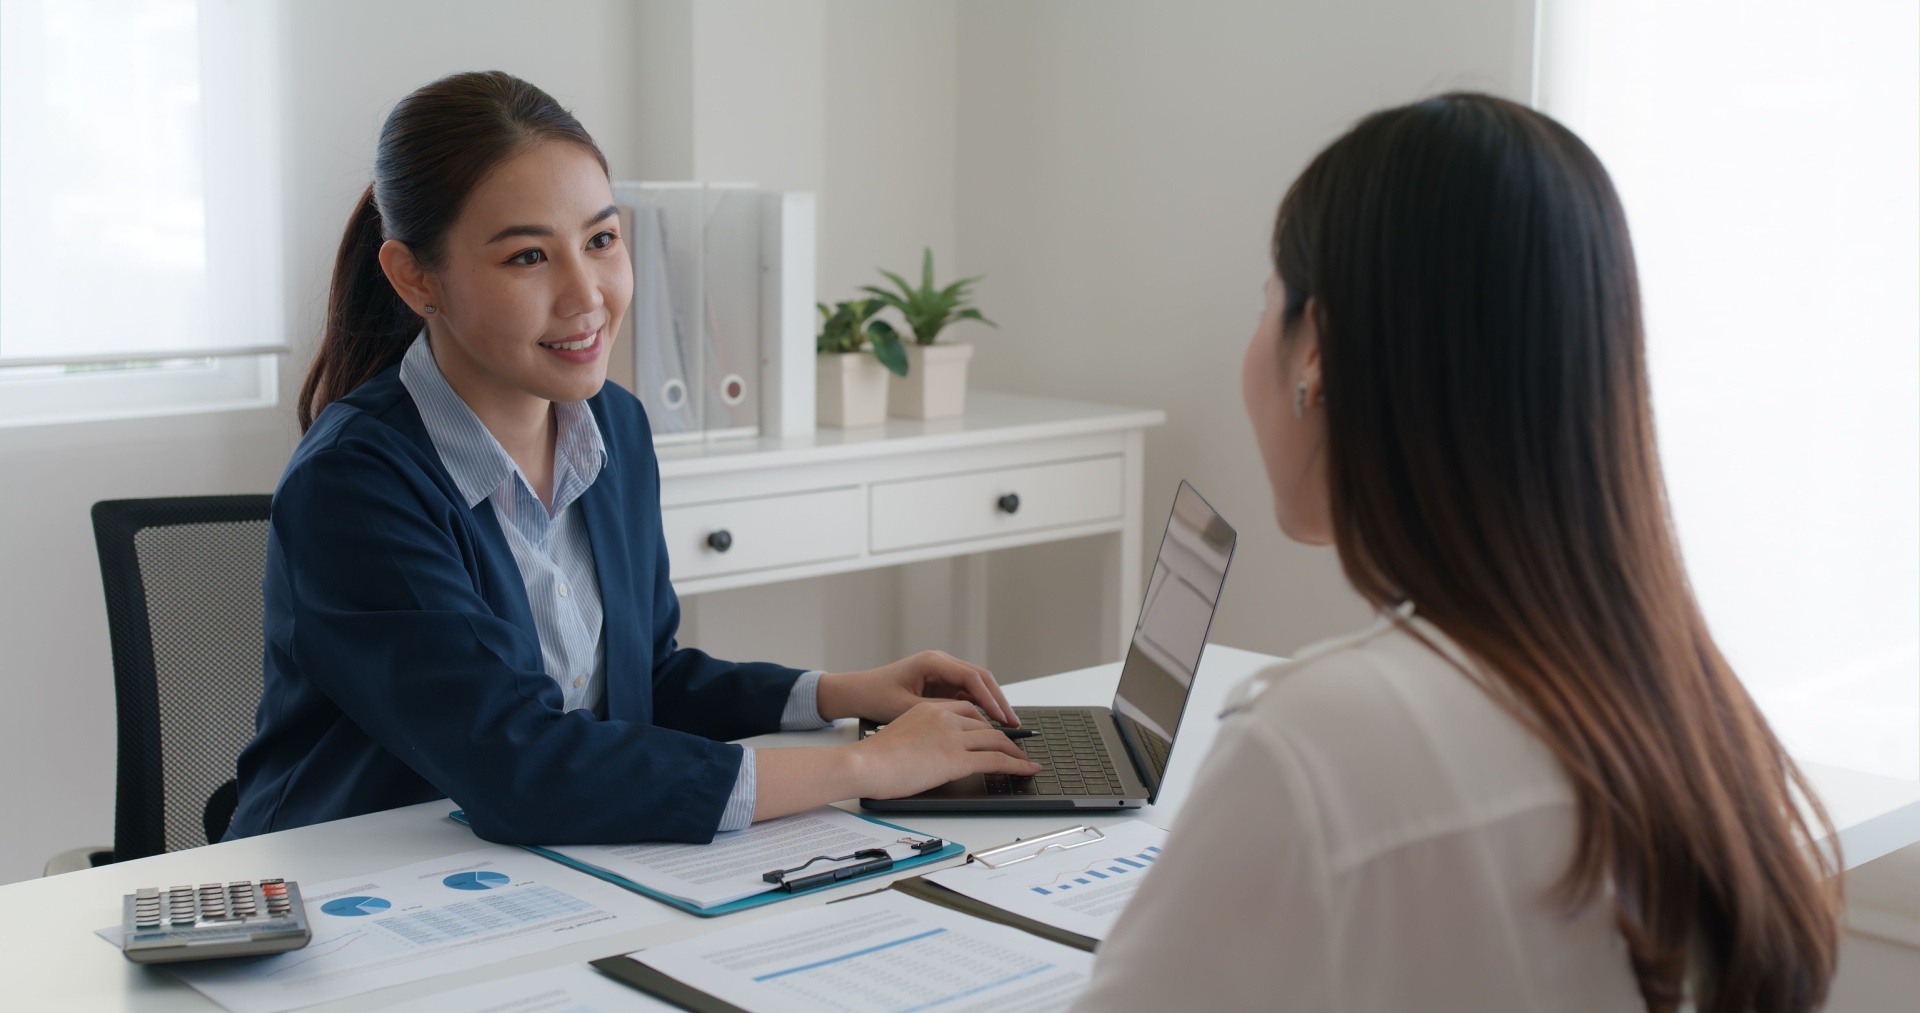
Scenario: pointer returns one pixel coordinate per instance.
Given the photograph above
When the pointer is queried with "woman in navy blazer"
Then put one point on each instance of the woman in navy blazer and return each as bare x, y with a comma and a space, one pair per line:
467, 590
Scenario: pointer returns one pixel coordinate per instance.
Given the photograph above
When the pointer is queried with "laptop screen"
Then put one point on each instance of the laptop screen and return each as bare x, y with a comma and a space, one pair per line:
1174, 619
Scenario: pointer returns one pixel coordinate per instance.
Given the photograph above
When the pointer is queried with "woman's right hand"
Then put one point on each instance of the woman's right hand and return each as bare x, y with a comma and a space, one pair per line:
933, 743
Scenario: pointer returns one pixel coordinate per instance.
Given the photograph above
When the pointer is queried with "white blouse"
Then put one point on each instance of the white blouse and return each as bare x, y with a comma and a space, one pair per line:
1371, 832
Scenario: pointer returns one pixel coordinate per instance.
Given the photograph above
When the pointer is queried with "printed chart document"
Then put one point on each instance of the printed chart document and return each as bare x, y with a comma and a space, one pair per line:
881, 952
575, 988
454, 914
1078, 889
730, 868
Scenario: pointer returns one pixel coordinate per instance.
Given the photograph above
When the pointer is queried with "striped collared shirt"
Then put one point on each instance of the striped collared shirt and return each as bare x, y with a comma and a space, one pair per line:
551, 547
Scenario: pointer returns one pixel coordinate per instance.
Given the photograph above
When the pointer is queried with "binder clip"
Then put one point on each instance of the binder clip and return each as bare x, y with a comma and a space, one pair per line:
1059, 842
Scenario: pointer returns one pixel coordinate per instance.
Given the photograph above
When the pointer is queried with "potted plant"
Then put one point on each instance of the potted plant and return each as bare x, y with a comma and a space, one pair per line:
935, 384
853, 384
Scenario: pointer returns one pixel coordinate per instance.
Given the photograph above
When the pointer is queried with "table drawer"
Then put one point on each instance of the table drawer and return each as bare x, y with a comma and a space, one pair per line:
760, 534
954, 508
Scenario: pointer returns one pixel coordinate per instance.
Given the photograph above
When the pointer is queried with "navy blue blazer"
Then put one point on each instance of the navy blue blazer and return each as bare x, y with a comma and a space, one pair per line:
402, 664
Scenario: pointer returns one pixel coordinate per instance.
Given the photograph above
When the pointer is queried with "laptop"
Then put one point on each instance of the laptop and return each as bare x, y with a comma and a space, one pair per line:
1114, 757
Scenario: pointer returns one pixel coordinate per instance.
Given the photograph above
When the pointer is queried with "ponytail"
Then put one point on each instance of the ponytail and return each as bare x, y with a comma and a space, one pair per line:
436, 146
368, 324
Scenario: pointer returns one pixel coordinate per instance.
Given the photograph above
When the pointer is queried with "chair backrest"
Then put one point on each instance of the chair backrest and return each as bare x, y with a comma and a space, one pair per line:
182, 578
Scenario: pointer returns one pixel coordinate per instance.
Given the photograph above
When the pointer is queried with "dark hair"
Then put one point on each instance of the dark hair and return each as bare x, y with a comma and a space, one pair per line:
1491, 457
436, 146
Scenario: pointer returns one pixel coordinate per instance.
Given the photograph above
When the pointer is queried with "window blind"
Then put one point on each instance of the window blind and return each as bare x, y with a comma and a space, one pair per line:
139, 181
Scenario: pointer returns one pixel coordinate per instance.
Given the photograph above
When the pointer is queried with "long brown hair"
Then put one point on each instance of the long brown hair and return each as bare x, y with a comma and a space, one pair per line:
436, 146
1491, 457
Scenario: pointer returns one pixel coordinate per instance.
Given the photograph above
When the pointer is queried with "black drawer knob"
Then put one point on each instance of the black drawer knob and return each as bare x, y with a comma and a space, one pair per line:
720, 541
1010, 503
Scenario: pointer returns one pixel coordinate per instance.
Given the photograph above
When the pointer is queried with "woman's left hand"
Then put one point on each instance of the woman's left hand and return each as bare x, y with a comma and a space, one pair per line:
885, 693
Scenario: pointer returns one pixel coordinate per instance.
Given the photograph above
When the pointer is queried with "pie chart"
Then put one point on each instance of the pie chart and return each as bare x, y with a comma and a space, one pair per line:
482, 880
353, 907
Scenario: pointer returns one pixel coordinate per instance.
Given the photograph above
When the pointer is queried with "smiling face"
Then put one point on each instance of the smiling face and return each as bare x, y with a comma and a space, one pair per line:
531, 288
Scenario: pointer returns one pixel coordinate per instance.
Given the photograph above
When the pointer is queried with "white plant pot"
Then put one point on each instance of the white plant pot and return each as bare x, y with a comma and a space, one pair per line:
935, 386
852, 390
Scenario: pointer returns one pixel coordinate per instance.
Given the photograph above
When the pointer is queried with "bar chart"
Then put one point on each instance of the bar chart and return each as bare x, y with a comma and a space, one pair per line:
1092, 875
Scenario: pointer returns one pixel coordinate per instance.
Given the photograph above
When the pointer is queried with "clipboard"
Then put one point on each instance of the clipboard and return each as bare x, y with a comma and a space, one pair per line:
1014, 852
773, 895
667, 988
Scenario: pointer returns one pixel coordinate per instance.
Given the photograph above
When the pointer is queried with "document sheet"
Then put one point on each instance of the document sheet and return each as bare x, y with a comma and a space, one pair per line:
881, 952
575, 988
1079, 889
730, 868
447, 916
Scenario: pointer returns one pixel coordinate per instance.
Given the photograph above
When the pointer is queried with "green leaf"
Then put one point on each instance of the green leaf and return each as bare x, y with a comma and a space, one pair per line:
887, 348
973, 314
958, 290
906, 290
926, 270
885, 297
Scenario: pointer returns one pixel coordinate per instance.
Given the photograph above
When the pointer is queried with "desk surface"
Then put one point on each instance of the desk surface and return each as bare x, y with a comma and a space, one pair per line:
50, 959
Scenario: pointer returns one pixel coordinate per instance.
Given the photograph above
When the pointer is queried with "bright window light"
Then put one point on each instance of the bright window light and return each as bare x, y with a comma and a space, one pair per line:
1768, 155
140, 219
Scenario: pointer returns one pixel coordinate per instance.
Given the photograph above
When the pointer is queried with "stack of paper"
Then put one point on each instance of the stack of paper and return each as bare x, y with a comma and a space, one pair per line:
882, 952
1080, 889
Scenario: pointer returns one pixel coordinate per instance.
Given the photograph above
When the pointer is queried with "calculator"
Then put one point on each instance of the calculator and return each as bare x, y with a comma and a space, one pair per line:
237, 919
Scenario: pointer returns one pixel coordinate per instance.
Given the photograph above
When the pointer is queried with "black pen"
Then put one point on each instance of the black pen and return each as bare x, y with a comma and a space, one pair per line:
836, 875
1018, 733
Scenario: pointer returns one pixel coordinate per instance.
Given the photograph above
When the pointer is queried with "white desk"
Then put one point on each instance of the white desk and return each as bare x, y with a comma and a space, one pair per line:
1013, 471
50, 959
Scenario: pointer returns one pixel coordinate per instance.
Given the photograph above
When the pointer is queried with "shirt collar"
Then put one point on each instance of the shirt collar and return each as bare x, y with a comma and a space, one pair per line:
474, 459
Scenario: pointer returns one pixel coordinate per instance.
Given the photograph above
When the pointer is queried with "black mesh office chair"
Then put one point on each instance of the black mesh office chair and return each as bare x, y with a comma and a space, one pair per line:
182, 580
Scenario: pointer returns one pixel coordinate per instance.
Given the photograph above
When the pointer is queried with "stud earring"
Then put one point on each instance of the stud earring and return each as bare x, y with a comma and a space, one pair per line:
431, 310
1300, 400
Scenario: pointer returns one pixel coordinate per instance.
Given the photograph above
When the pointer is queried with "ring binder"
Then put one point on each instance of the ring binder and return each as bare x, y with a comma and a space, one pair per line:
1028, 842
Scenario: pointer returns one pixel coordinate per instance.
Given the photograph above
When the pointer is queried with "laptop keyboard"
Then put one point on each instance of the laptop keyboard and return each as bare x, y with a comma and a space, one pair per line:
1070, 751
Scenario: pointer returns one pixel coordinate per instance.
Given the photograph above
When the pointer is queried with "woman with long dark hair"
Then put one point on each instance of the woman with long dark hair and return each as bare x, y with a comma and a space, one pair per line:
1534, 783
466, 591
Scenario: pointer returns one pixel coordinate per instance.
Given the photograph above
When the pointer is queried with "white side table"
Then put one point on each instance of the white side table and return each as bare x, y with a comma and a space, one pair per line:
1013, 471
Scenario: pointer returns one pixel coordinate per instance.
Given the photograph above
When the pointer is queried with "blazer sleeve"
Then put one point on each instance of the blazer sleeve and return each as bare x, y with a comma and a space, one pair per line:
697, 693
389, 623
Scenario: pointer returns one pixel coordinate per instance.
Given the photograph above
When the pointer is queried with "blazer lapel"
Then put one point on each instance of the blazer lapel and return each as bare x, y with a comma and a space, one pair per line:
629, 674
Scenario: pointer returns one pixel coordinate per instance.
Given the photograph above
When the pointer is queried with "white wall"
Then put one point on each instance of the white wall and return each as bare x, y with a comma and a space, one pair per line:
1120, 164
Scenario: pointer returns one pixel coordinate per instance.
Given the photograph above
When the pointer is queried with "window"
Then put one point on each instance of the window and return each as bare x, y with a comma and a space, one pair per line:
140, 235
1769, 158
